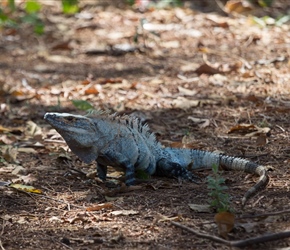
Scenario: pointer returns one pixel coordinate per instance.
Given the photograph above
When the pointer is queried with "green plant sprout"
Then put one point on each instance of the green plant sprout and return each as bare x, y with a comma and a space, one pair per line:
219, 198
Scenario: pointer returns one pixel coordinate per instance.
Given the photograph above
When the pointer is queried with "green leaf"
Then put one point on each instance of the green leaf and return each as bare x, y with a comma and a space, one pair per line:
130, 2
3, 17
70, 6
39, 28
282, 20
265, 3
11, 4
30, 18
32, 7
168, 3
33, 19
219, 198
259, 21
141, 174
82, 105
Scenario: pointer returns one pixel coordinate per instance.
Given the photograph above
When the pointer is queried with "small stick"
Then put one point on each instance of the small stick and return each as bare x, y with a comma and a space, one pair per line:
264, 215
1, 246
238, 243
202, 235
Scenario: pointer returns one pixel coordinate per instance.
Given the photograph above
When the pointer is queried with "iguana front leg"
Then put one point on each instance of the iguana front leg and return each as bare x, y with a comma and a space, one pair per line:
102, 171
129, 175
109, 159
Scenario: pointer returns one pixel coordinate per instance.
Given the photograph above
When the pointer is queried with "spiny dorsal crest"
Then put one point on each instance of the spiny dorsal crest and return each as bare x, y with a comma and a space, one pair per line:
93, 113
128, 121
135, 124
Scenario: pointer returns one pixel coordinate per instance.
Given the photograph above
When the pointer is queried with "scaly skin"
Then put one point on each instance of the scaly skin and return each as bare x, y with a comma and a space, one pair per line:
122, 141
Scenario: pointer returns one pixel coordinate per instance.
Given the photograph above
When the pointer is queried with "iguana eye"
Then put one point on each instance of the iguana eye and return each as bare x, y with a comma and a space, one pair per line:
70, 118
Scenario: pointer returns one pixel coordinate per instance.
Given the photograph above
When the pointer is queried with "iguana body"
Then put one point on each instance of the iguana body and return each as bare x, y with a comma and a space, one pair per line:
122, 141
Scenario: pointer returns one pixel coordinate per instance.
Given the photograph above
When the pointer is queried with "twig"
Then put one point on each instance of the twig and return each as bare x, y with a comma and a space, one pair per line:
261, 239
47, 197
254, 216
60, 201
71, 167
264, 215
238, 243
1, 233
202, 235
2, 248
63, 244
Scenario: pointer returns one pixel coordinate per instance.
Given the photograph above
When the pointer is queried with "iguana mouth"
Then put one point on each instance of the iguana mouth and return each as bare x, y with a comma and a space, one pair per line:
68, 122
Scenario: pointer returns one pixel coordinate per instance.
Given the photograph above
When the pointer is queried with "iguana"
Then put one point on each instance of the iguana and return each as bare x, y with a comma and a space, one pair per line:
123, 141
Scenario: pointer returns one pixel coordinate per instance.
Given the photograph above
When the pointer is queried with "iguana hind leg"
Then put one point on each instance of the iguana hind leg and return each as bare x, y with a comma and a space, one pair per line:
130, 175
175, 170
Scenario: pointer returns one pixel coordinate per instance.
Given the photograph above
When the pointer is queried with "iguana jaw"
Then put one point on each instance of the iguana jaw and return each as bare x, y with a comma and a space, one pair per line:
73, 128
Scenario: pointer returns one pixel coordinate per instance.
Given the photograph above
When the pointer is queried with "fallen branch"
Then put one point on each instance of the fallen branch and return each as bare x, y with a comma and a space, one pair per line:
238, 243
202, 235
264, 215
1, 246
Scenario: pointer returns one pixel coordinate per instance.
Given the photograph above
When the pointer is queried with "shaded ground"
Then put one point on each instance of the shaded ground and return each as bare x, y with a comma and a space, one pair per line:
193, 78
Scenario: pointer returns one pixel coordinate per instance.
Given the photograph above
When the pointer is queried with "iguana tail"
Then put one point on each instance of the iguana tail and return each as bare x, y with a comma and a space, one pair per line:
182, 160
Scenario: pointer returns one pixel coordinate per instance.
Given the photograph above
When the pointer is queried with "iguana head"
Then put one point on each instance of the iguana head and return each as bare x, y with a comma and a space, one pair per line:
77, 131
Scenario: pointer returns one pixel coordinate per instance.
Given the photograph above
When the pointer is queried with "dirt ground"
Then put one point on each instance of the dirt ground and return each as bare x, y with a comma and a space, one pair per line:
200, 80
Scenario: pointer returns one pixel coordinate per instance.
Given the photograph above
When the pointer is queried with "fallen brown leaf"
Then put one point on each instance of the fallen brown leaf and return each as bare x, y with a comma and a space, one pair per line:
100, 207
207, 69
238, 6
